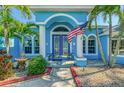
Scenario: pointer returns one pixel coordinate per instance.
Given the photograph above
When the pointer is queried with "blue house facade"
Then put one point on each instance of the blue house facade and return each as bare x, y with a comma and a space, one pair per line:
54, 24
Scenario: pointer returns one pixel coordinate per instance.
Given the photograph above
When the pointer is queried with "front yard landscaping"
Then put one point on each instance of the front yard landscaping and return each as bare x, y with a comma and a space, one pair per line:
37, 67
100, 76
59, 77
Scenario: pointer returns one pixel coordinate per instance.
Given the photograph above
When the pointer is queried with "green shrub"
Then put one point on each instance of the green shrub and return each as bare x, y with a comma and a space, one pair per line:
37, 65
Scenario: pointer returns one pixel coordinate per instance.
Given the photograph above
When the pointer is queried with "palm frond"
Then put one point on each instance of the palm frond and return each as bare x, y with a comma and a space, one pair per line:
25, 10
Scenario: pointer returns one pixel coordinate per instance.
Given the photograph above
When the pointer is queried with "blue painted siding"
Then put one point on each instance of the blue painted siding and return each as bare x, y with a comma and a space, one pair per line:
120, 59
14, 51
104, 42
63, 20
87, 34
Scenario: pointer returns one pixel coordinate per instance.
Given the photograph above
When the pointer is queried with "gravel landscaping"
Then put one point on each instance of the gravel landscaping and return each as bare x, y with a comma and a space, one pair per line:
101, 77
59, 77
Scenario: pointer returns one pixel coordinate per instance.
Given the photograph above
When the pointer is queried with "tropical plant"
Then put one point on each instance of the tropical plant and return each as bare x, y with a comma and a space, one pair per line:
118, 36
37, 65
21, 30
93, 17
5, 65
7, 19
107, 12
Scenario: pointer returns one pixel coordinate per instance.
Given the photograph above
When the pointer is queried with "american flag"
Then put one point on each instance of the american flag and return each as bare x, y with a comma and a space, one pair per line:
77, 31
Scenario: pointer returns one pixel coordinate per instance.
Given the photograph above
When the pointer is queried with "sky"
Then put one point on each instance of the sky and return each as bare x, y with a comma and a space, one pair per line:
17, 15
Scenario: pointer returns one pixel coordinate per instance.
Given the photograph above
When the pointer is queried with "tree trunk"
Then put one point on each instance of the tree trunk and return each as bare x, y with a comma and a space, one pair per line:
110, 40
22, 41
116, 51
99, 44
117, 47
6, 38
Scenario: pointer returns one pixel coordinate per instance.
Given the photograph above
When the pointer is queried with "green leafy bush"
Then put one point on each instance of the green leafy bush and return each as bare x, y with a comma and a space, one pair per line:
37, 65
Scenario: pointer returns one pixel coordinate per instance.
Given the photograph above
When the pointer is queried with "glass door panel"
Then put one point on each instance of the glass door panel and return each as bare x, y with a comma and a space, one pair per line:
61, 47
65, 46
57, 45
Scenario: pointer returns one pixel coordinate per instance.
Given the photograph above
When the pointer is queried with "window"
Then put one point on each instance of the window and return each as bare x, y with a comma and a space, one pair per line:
121, 49
36, 45
91, 45
31, 45
2, 42
28, 45
114, 42
84, 44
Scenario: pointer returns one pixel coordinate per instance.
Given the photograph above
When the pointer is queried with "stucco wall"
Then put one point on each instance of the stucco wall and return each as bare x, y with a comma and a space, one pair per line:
81, 17
15, 50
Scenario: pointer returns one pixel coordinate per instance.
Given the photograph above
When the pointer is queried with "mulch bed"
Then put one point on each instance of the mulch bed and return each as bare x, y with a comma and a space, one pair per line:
23, 78
100, 76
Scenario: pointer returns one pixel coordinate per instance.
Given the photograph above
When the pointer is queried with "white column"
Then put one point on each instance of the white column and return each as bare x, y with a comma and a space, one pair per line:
42, 39
80, 46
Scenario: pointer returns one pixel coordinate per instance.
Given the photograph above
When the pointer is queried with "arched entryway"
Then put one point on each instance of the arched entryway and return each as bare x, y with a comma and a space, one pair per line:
60, 46
48, 31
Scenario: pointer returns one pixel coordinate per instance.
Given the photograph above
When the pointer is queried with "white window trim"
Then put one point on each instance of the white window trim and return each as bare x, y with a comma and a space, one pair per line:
31, 54
119, 49
95, 44
34, 46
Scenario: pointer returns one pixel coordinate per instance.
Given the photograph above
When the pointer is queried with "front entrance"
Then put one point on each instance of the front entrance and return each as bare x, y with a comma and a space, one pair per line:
61, 47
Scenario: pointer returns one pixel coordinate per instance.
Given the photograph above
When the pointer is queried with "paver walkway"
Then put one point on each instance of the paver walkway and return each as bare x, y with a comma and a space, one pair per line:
60, 77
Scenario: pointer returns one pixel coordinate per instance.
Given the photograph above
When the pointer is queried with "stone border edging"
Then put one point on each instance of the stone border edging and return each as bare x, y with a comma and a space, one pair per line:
76, 78
24, 78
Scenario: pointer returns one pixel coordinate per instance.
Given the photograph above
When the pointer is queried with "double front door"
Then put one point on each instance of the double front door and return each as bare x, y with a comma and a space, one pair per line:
60, 44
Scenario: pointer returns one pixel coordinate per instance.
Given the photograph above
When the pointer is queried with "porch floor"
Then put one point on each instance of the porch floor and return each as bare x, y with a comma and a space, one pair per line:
90, 63
63, 64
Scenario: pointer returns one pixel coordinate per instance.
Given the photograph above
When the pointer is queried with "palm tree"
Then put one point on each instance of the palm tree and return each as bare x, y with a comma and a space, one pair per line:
108, 11
119, 36
93, 17
21, 30
7, 19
